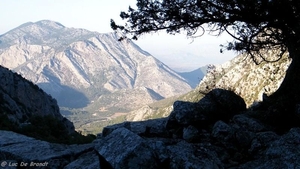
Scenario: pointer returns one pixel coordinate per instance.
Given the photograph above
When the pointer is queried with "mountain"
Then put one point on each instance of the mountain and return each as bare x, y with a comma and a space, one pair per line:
90, 74
241, 75
194, 77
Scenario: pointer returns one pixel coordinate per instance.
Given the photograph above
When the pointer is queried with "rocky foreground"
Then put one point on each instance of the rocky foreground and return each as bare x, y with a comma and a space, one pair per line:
215, 132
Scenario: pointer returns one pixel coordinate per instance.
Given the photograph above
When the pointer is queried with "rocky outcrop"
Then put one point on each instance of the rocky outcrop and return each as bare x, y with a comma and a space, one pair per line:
22, 100
246, 78
236, 141
217, 105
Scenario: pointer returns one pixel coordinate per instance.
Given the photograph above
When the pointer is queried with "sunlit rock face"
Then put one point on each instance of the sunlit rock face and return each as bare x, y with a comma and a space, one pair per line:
246, 78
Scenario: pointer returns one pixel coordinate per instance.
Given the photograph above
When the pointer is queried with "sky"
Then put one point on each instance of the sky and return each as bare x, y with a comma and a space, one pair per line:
176, 51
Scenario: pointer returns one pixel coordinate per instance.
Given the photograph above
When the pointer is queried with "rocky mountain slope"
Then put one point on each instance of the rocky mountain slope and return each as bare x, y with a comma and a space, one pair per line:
25, 108
246, 78
88, 71
21, 99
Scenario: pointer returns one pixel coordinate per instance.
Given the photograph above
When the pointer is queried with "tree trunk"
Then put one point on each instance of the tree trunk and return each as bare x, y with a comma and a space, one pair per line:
281, 108
290, 87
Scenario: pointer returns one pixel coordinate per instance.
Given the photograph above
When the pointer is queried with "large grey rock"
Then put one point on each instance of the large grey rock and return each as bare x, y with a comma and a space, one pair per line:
124, 149
143, 128
222, 132
188, 156
190, 134
248, 123
17, 148
217, 105
283, 152
87, 160
261, 141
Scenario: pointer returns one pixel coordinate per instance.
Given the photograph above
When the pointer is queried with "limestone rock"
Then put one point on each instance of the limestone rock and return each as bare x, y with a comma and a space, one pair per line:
124, 149
280, 153
145, 128
247, 79
18, 148
190, 134
217, 105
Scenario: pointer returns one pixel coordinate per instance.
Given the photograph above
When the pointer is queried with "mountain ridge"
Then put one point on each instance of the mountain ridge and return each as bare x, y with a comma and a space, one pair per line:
80, 68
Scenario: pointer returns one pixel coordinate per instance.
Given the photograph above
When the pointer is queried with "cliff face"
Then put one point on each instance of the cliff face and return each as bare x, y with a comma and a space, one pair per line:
245, 78
22, 100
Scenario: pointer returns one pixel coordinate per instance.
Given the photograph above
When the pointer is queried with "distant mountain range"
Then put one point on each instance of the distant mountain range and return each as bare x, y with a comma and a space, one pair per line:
91, 72
194, 77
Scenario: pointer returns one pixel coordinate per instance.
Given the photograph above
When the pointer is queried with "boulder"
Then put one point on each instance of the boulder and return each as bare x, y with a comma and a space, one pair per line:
218, 104
124, 149
247, 123
222, 132
192, 156
190, 134
149, 128
16, 148
280, 152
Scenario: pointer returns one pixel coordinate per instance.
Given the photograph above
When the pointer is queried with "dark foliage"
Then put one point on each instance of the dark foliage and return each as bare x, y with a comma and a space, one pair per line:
254, 25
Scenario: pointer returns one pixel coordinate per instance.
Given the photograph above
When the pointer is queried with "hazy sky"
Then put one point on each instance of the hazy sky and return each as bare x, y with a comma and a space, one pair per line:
176, 51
